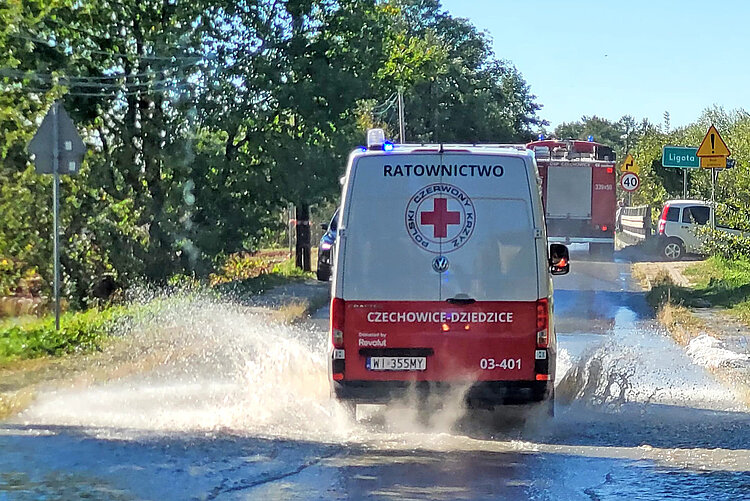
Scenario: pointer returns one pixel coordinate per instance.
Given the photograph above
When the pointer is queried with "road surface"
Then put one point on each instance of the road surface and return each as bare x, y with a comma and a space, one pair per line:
239, 409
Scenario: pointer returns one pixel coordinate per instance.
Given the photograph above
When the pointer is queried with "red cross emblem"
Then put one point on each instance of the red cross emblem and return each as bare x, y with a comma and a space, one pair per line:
440, 217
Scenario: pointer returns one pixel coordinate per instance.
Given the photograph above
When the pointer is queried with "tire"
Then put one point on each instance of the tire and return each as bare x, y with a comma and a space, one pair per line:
673, 249
323, 273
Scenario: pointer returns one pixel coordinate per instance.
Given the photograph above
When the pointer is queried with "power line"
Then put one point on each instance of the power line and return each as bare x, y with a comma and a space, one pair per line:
66, 81
390, 101
12, 73
175, 87
113, 93
381, 110
55, 43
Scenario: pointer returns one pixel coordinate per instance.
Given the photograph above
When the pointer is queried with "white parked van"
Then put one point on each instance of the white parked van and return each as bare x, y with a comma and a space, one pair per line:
442, 275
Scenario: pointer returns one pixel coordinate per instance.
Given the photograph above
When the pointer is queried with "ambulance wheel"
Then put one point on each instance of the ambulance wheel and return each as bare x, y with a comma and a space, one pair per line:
673, 249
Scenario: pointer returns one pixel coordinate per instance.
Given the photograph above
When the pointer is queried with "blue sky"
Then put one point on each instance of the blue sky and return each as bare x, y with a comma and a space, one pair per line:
636, 57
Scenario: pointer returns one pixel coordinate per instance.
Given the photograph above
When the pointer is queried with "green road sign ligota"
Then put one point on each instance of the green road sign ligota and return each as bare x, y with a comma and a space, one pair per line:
680, 156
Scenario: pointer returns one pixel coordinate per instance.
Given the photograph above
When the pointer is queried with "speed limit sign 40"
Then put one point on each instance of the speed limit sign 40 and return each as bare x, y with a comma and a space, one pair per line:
630, 181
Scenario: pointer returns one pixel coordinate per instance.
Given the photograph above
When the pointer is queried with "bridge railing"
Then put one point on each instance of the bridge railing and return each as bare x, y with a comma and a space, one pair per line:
635, 224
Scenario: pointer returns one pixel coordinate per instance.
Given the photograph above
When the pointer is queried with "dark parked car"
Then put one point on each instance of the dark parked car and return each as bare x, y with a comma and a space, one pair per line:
325, 248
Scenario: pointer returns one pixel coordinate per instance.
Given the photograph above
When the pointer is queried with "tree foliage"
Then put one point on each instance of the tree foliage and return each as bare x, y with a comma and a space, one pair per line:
620, 135
661, 183
204, 118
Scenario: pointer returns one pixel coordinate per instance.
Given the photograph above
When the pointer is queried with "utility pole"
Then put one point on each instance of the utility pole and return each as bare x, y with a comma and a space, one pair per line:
401, 124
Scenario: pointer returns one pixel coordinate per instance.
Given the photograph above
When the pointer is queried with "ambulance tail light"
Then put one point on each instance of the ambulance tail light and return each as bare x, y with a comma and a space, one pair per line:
542, 323
337, 322
338, 364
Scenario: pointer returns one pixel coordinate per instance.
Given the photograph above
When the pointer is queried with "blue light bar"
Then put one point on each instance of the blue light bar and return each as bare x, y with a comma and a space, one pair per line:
590, 139
387, 146
541, 137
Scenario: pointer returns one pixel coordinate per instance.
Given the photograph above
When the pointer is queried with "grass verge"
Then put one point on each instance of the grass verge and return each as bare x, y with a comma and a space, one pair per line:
717, 283
280, 274
79, 332
30, 337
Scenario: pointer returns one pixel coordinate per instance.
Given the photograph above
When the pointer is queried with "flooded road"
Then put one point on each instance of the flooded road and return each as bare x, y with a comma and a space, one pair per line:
239, 409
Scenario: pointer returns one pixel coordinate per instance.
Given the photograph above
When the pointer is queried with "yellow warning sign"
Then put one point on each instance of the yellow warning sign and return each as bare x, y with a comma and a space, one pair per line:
713, 145
629, 165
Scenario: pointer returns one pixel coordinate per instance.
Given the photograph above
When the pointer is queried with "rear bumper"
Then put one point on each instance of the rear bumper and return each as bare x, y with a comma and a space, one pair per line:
581, 240
480, 394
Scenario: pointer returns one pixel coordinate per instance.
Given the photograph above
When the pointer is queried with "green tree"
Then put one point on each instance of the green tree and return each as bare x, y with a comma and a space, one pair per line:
621, 135
733, 186
456, 90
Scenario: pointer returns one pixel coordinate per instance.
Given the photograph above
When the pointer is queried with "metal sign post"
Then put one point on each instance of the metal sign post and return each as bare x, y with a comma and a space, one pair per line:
714, 173
56, 210
684, 184
57, 149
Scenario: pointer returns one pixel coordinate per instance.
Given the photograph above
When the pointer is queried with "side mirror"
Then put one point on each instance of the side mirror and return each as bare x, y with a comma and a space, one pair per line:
559, 259
324, 226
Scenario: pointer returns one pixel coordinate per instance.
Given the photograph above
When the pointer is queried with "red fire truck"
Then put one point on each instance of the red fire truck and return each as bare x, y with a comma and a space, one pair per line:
578, 191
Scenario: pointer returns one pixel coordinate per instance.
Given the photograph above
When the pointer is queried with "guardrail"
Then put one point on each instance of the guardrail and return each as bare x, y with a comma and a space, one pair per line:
635, 224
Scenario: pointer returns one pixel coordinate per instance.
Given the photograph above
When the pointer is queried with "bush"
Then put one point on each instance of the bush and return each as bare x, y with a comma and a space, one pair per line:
38, 338
725, 245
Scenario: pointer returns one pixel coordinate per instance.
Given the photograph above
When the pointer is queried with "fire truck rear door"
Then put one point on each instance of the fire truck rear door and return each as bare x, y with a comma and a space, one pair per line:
569, 191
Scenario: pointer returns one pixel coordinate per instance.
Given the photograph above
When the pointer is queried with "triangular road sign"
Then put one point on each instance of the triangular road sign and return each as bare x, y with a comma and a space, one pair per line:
629, 165
713, 145
69, 146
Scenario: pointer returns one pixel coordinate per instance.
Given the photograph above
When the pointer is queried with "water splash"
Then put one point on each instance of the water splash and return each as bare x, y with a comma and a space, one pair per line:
211, 365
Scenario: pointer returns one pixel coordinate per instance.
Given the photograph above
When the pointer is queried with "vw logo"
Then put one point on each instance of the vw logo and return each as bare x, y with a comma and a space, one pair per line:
440, 264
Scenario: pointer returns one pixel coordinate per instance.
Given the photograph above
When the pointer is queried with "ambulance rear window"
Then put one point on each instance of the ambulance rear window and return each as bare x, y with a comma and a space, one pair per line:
474, 211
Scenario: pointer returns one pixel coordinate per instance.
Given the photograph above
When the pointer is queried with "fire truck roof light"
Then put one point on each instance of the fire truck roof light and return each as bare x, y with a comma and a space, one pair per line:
590, 139
375, 139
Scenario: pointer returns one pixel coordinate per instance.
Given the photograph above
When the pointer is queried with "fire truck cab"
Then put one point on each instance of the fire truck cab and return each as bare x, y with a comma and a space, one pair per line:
578, 192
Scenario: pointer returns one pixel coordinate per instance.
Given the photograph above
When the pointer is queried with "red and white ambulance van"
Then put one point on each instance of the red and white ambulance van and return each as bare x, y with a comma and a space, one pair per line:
442, 276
